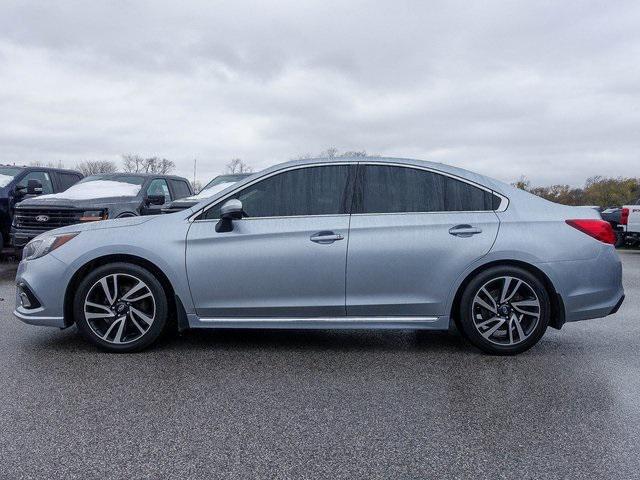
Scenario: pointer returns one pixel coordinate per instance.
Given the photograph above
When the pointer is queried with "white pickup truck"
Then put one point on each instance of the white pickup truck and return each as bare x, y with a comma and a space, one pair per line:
626, 223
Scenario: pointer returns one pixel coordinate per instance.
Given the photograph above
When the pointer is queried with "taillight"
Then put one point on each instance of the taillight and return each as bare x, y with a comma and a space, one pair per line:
598, 229
624, 216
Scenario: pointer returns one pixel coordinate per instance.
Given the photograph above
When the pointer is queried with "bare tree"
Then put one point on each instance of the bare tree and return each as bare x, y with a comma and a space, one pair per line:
164, 166
91, 167
333, 152
138, 164
132, 163
238, 166
523, 183
50, 164
354, 154
330, 152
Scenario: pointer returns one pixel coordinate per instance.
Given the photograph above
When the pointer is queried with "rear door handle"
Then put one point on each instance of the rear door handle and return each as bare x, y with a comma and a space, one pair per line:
326, 237
464, 230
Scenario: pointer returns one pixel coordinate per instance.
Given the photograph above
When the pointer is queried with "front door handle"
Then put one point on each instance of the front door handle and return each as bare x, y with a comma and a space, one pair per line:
326, 237
464, 231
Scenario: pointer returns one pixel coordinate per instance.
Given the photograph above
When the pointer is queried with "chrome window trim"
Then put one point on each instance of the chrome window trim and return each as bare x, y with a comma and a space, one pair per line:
504, 203
283, 217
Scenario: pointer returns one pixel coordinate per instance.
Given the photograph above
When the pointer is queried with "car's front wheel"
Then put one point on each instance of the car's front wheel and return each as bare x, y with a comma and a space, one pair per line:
504, 310
121, 307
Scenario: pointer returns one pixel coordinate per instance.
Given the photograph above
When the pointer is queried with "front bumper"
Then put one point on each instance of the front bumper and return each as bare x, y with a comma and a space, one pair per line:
45, 280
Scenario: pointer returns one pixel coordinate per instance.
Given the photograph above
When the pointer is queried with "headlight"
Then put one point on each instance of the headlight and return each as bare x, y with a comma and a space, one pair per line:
39, 247
93, 215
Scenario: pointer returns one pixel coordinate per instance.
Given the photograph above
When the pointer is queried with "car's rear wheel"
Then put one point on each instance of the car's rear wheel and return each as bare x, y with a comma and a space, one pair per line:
504, 310
121, 307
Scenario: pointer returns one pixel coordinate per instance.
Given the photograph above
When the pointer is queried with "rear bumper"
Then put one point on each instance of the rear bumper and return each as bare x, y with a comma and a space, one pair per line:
617, 306
589, 288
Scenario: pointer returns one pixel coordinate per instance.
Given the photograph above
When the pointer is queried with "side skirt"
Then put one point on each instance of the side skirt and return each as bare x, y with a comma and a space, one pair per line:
403, 323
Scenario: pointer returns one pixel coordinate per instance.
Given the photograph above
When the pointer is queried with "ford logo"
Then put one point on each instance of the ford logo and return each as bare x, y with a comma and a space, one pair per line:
42, 218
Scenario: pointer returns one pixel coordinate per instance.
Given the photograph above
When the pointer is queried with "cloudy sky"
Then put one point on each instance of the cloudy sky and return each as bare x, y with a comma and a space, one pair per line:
548, 89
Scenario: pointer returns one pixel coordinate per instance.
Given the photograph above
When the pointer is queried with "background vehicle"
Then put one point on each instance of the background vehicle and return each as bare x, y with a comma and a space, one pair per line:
625, 222
428, 245
97, 197
209, 190
20, 183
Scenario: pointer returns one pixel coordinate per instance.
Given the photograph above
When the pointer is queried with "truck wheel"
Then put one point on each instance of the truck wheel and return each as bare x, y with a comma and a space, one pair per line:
621, 240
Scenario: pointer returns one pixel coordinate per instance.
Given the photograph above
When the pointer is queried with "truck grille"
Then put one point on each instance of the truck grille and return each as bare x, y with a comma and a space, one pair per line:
45, 218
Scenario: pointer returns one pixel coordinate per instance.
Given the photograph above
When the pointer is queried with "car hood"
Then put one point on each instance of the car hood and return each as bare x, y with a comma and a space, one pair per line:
102, 224
92, 203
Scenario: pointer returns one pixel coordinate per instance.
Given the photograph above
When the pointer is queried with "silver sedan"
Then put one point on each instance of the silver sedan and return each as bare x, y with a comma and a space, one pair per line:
344, 243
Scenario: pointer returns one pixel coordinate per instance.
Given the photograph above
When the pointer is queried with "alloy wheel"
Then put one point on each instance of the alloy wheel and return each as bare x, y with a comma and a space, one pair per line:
506, 310
120, 308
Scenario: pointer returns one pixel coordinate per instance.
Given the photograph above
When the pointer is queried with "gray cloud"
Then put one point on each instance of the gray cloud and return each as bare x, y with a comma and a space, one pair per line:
546, 89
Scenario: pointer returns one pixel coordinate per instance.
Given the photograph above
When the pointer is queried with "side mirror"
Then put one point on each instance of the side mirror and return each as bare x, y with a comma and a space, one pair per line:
34, 187
230, 211
155, 199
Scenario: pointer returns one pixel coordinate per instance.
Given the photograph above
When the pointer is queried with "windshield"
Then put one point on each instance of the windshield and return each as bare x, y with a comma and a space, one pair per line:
132, 179
7, 174
225, 179
217, 185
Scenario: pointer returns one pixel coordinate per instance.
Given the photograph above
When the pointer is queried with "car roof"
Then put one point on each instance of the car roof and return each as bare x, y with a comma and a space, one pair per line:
35, 167
488, 182
140, 174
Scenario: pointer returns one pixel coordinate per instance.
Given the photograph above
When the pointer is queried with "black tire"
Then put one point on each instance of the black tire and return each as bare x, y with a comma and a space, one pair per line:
621, 239
466, 319
127, 271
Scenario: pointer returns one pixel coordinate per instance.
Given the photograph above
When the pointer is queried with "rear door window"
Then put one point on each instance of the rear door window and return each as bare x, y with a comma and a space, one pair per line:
180, 188
396, 189
67, 179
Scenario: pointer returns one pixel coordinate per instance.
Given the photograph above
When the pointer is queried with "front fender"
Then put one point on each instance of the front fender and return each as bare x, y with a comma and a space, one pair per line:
160, 243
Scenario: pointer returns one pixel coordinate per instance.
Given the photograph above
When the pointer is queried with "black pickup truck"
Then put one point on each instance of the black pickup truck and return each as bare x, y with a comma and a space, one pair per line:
97, 197
19, 183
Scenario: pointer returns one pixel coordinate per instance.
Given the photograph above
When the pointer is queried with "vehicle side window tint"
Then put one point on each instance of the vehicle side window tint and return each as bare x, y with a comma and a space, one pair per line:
390, 189
322, 190
42, 177
159, 186
67, 180
180, 188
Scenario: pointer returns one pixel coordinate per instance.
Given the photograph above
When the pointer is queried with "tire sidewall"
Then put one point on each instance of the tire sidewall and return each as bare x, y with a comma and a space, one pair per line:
466, 314
154, 285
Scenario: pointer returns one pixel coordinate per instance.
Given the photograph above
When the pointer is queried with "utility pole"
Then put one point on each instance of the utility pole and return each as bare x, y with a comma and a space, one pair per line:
194, 173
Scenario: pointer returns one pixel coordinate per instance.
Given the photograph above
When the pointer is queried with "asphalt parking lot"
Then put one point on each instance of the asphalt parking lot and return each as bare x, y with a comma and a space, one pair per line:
317, 404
